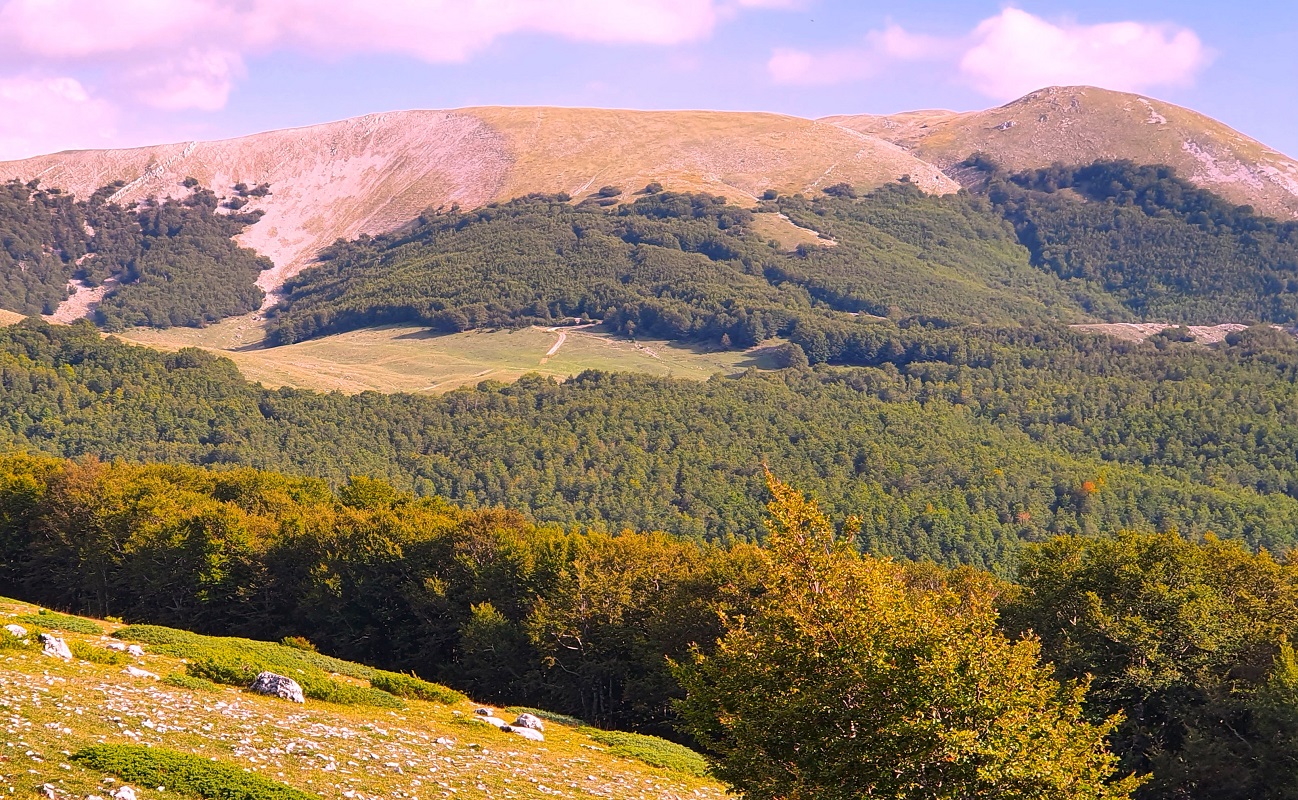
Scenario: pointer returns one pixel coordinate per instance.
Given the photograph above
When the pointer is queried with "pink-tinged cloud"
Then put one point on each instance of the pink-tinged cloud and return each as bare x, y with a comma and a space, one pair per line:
880, 49
1016, 52
40, 114
1013, 53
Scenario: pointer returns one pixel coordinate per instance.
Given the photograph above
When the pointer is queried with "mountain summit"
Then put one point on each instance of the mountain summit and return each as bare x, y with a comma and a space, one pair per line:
1080, 124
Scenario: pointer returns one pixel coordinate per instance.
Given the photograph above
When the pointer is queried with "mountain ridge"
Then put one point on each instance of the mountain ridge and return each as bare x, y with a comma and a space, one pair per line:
1079, 124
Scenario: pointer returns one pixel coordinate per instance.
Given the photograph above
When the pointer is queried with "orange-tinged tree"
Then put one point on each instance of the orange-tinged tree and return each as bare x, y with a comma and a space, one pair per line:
849, 681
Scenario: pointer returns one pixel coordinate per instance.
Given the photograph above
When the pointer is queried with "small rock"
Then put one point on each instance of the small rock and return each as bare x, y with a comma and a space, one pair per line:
496, 721
135, 650
16, 630
136, 672
56, 647
528, 721
116, 645
278, 686
527, 733
484, 712
124, 793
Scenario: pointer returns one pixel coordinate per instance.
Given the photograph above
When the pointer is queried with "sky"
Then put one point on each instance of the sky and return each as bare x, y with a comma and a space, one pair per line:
91, 74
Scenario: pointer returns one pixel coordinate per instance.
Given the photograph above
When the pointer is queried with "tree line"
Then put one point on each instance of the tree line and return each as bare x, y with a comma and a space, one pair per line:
1106, 665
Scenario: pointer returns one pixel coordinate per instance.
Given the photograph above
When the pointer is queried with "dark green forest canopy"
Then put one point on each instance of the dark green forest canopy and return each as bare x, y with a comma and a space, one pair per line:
980, 441
171, 262
1156, 244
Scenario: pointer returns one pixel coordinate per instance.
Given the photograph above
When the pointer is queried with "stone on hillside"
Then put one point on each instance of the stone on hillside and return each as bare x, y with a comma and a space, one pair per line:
124, 793
16, 630
528, 721
56, 647
135, 650
136, 672
484, 712
278, 686
113, 644
495, 721
528, 733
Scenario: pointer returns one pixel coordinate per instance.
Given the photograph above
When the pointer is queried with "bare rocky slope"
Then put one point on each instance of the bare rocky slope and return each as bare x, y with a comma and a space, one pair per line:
373, 173
1079, 124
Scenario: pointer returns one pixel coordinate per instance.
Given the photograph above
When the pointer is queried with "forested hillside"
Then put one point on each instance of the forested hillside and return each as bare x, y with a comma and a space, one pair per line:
1173, 655
1162, 247
971, 444
171, 262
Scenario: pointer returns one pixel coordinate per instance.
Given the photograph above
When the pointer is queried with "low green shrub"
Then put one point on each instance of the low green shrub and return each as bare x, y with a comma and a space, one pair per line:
53, 620
182, 681
650, 749
299, 643
95, 655
185, 774
10, 642
241, 669
185, 644
548, 716
413, 688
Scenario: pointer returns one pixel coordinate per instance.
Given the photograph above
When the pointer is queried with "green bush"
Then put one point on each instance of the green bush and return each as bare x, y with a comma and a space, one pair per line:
185, 774
650, 749
237, 662
62, 622
10, 642
414, 688
298, 643
548, 716
182, 681
95, 655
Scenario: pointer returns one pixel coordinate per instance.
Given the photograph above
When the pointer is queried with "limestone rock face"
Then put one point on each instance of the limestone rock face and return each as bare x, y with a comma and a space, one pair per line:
56, 647
278, 686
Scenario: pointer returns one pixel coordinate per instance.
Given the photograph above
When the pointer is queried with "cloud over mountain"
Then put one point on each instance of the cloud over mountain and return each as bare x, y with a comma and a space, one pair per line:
1014, 52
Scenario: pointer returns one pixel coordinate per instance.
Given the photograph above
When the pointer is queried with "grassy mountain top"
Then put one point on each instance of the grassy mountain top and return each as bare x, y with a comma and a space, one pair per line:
373, 173
1080, 124
55, 709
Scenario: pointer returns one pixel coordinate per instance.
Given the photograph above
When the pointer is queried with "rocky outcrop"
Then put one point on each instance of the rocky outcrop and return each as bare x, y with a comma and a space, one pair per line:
56, 647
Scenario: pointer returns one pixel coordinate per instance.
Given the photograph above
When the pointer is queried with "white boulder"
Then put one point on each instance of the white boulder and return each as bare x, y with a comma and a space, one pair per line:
530, 721
135, 650
124, 793
527, 733
278, 686
56, 647
136, 672
16, 630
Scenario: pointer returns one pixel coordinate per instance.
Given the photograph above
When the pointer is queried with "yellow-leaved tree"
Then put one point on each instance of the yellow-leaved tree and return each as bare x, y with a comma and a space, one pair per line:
851, 681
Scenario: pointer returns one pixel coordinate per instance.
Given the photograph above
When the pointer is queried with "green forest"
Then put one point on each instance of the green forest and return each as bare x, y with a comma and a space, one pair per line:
970, 444
171, 262
1104, 665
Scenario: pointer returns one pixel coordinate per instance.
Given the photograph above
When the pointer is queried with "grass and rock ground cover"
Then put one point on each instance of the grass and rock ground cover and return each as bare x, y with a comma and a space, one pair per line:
52, 710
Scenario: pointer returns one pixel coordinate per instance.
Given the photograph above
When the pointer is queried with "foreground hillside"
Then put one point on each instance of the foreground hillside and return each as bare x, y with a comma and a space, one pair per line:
55, 707
1075, 125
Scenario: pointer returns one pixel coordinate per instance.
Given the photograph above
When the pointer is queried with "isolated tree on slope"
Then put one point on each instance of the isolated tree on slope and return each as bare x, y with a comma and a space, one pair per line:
850, 682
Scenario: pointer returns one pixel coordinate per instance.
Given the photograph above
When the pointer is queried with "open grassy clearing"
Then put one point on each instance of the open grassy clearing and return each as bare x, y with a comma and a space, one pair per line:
51, 709
411, 359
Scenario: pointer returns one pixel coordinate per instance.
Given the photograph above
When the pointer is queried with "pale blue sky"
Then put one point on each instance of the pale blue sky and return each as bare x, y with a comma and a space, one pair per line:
78, 73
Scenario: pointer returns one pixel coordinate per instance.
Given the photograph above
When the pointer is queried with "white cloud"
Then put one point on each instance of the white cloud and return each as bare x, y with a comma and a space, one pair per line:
1016, 52
190, 54
1013, 53
40, 114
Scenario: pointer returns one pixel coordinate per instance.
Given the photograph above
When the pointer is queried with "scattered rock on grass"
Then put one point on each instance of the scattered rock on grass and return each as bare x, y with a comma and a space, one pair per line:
16, 630
136, 672
528, 721
278, 686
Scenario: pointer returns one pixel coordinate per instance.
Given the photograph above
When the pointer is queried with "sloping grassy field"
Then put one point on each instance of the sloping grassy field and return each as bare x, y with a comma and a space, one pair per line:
51, 710
411, 359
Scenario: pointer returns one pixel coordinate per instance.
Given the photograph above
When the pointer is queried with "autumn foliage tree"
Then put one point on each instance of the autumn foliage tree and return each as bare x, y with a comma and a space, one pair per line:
851, 680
